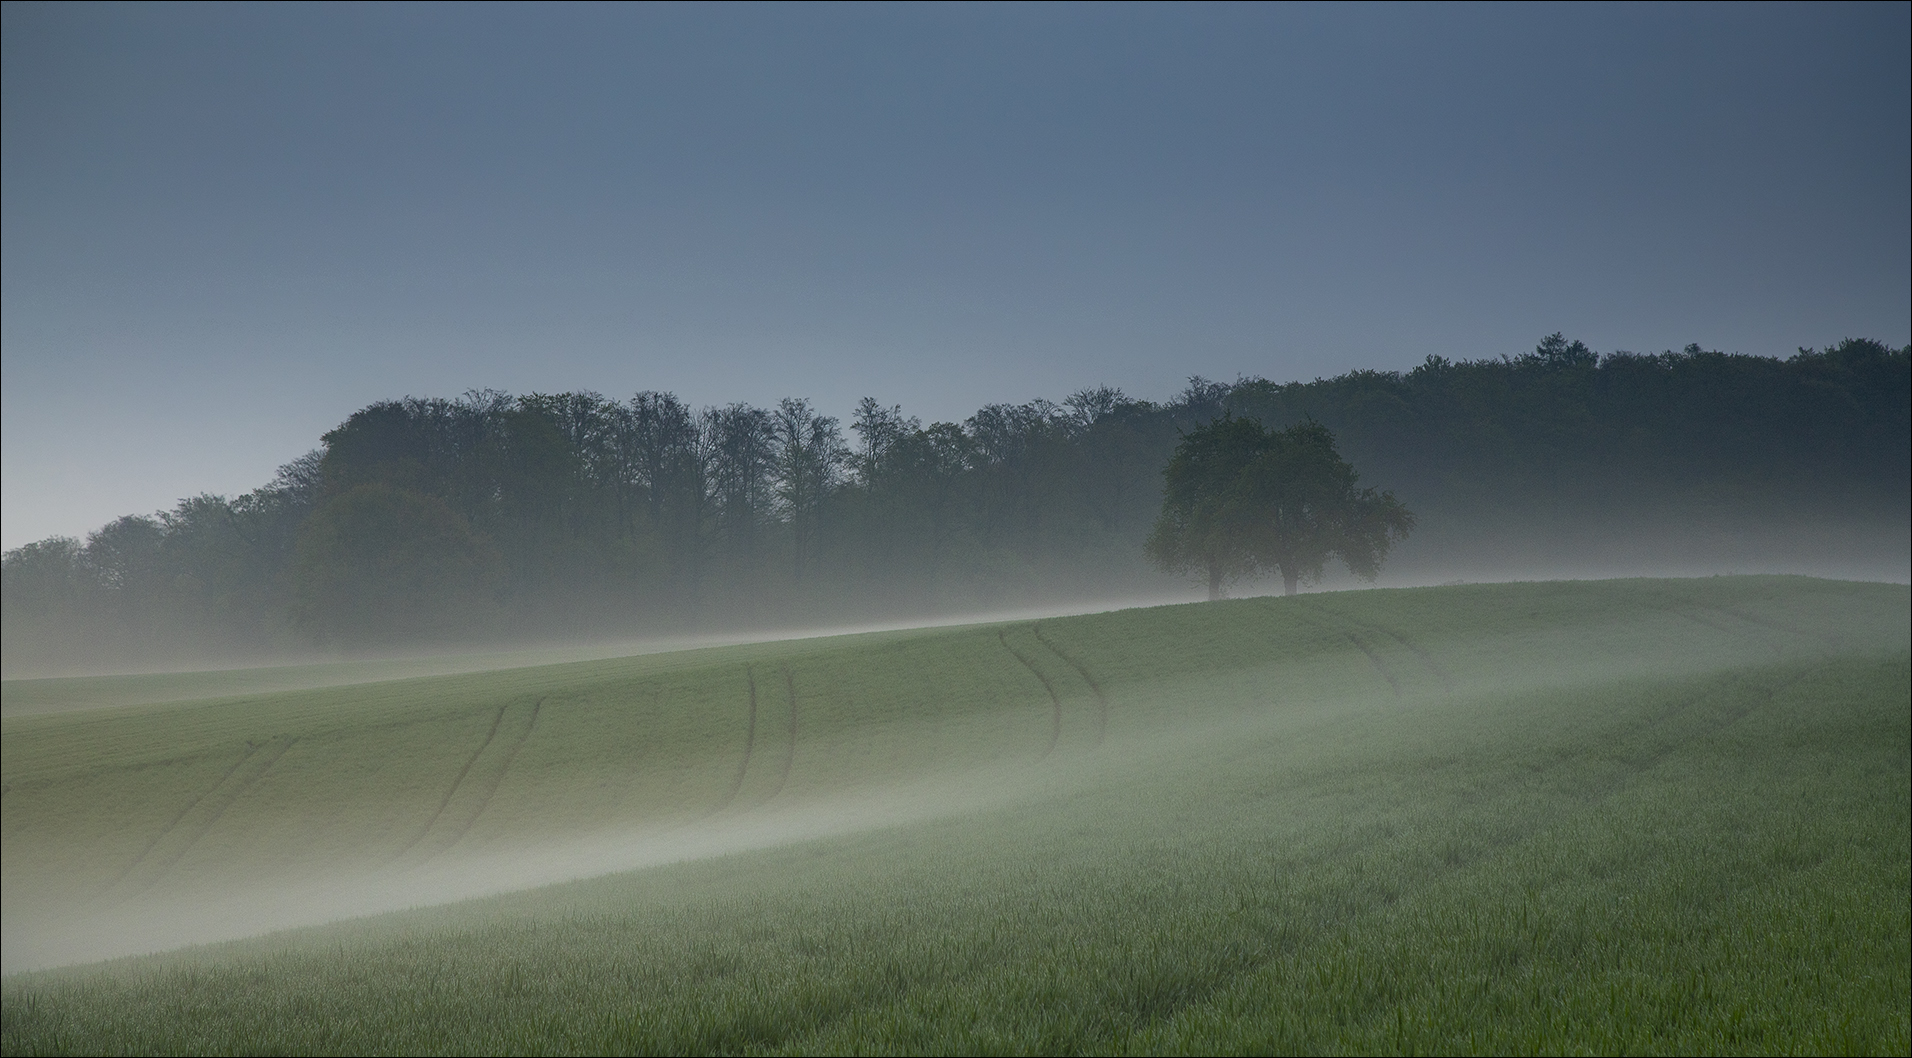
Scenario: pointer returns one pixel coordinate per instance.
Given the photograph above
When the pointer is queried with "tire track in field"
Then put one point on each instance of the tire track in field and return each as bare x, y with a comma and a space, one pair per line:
1153, 1001
750, 741
1427, 659
251, 750
497, 777
1332, 621
1760, 634
470, 777
1055, 724
790, 750
1379, 665
1101, 699
221, 797
1827, 638
1679, 611
445, 801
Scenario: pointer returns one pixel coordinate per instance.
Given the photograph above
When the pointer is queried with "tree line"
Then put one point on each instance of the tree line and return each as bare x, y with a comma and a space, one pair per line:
491, 515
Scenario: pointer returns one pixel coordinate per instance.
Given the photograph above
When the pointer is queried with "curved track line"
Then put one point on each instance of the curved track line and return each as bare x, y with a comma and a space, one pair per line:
1759, 634
1426, 658
1379, 666
225, 802
1055, 725
498, 778
1763, 631
1698, 620
462, 772
1321, 619
790, 751
1101, 699
750, 740
1828, 638
251, 750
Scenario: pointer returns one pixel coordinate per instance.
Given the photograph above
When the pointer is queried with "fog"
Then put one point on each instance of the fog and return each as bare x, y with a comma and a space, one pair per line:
625, 332
238, 907
80, 686
240, 904
1169, 725
174, 667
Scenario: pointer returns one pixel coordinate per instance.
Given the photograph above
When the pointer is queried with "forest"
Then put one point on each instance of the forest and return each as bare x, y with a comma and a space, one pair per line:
498, 518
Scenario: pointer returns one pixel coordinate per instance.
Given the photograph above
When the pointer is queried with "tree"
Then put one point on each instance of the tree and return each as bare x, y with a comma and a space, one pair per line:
880, 429
740, 443
377, 565
1240, 500
1204, 525
809, 454
661, 443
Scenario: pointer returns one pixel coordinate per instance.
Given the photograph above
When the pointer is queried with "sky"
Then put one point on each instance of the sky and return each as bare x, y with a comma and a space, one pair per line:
227, 227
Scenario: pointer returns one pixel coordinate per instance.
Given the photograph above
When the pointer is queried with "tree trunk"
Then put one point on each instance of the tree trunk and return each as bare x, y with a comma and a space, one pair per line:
1290, 581
1214, 583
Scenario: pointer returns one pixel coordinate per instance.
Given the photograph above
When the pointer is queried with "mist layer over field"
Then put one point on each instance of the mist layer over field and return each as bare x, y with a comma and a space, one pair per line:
25, 697
148, 827
247, 903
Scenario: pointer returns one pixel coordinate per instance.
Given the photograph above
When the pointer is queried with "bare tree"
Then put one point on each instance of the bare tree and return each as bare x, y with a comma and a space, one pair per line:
739, 451
810, 454
879, 429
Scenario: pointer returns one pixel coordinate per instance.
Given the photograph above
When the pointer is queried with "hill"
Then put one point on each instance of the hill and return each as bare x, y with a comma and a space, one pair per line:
1578, 815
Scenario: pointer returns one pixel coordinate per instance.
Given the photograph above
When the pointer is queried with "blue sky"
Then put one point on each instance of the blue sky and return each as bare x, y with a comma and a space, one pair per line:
227, 227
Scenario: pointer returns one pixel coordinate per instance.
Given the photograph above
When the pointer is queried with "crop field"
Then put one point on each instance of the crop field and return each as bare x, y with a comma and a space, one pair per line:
1651, 815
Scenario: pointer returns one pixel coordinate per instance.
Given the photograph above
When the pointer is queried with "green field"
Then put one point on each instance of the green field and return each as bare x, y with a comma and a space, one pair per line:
1560, 817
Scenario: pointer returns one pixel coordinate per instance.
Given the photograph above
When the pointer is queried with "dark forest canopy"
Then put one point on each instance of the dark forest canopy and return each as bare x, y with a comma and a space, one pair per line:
492, 516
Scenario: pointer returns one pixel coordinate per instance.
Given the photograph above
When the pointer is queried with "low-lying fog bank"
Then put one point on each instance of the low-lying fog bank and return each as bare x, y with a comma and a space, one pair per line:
171, 637
240, 906
155, 686
1871, 552
138, 830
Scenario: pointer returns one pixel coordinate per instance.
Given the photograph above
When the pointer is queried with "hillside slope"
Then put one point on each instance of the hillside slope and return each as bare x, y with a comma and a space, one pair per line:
1138, 829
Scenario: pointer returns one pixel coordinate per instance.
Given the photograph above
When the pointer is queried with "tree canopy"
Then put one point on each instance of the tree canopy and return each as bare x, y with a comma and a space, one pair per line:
554, 515
1240, 500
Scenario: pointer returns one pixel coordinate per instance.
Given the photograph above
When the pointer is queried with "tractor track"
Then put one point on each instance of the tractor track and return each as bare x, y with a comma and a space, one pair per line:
1334, 623
1379, 665
458, 782
221, 803
1768, 625
750, 741
498, 777
445, 801
1095, 687
790, 750
1698, 620
1799, 633
1760, 632
1447, 681
1055, 725
251, 749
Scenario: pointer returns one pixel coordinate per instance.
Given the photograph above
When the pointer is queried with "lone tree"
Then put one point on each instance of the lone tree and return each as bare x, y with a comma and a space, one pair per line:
1241, 500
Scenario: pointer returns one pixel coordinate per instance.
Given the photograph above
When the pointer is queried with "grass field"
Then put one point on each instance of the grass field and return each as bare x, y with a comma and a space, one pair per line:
1579, 816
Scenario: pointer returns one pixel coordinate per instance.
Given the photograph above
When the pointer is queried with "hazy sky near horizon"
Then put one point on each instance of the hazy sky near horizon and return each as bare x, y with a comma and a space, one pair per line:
228, 227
